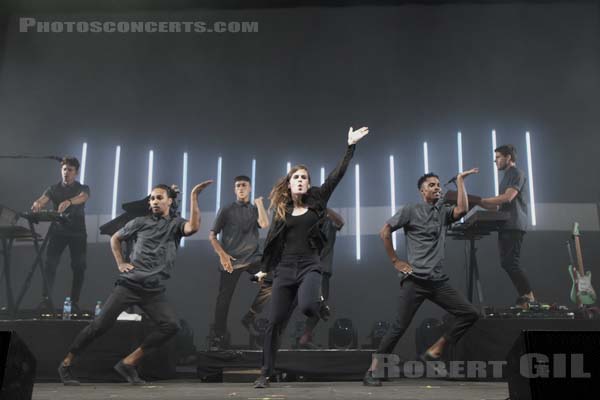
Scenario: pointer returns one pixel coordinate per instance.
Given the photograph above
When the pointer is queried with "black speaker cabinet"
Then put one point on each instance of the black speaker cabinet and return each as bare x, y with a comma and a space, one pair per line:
17, 368
554, 364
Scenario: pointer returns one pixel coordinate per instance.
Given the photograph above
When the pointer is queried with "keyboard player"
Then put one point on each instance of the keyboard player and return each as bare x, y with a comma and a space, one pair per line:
68, 196
513, 199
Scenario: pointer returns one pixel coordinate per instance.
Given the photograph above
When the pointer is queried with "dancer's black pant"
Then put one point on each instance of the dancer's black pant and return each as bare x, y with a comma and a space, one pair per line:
312, 322
412, 294
294, 276
509, 246
78, 249
227, 283
154, 304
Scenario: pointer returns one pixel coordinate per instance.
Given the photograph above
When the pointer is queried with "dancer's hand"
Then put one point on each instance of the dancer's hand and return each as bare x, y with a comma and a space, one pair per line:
469, 172
355, 136
258, 201
403, 267
125, 267
260, 276
64, 205
225, 260
201, 186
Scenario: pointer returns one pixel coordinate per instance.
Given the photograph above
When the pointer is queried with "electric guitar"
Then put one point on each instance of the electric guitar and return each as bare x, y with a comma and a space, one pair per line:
582, 292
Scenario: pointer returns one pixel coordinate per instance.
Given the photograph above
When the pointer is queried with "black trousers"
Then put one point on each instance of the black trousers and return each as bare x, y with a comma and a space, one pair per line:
154, 304
509, 246
227, 284
412, 294
311, 322
78, 249
296, 278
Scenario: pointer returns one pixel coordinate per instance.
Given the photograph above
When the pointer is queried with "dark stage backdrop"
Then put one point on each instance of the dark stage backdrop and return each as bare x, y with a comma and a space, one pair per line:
412, 73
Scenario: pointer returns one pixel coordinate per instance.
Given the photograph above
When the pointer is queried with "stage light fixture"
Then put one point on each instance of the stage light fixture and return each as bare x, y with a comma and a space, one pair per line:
460, 151
116, 181
288, 167
530, 167
343, 335
393, 194
253, 177
378, 331
83, 162
494, 146
357, 215
184, 191
219, 171
322, 175
425, 157
150, 170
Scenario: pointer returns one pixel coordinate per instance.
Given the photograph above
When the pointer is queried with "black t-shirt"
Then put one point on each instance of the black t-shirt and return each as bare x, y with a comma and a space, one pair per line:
330, 230
515, 178
296, 235
57, 194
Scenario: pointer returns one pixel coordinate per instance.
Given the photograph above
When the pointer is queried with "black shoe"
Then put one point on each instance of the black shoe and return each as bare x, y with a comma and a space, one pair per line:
370, 380
434, 362
324, 311
75, 309
129, 373
66, 375
262, 382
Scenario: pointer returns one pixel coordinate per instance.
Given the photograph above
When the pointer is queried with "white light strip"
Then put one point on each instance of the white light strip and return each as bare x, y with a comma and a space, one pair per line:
219, 168
289, 166
150, 170
494, 146
322, 175
83, 161
425, 157
357, 216
460, 153
253, 177
530, 167
116, 182
184, 191
393, 194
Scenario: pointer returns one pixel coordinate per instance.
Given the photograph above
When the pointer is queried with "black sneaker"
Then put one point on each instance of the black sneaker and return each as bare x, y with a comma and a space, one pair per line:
66, 375
370, 380
129, 373
262, 382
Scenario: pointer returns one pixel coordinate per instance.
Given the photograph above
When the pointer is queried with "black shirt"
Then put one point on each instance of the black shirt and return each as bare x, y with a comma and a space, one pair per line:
330, 230
60, 192
238, 225
156, 243
297, 230
425, 228
517, 209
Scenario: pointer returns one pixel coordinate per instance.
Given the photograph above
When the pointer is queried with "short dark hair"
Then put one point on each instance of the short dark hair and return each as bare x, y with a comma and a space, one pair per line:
424, 178
70, 161
242, 178
507, 150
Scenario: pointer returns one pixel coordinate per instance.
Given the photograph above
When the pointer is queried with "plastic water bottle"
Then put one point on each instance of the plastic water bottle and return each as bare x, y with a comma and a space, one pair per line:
98, 308
67, 309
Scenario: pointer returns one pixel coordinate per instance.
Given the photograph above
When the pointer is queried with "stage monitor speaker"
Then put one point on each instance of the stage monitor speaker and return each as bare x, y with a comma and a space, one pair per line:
554, 365
17, 368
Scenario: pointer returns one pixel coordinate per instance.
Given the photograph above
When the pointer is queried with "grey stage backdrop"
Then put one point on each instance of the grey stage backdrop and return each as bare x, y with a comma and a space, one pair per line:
412, 73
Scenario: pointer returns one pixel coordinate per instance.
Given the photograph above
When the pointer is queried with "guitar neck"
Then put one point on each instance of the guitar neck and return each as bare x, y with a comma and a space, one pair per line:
579, 255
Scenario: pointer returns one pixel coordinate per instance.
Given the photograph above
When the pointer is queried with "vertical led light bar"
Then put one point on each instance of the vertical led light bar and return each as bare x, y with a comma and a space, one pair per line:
425, 157
393, 194
357, 215
530, 167
83, 161
322, 175
460, 153
494, 146
116, 182
150, 170
289, 166
184, 189
253, 177
219, 170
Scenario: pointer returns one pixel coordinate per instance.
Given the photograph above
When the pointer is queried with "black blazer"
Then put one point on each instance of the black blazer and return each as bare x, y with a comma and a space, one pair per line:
315, 199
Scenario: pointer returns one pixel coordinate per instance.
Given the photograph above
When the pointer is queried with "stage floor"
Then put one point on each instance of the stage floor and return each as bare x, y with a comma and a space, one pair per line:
174, 390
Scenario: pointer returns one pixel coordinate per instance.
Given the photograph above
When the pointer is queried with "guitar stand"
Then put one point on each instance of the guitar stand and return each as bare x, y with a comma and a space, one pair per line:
39, 250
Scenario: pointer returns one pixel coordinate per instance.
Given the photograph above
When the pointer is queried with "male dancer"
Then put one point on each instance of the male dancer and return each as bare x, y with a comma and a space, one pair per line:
238, 251
331, 226
425, 227
68, 196
513, 199
141, 281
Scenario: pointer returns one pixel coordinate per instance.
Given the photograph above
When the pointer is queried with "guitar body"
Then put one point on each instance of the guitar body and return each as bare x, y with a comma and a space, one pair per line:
582, 291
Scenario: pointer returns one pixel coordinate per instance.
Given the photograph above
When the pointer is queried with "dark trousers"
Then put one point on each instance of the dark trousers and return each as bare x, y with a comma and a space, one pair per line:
312, 322
78, 249
154, 304
227, 283
296, 278
509, 246
412, 294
